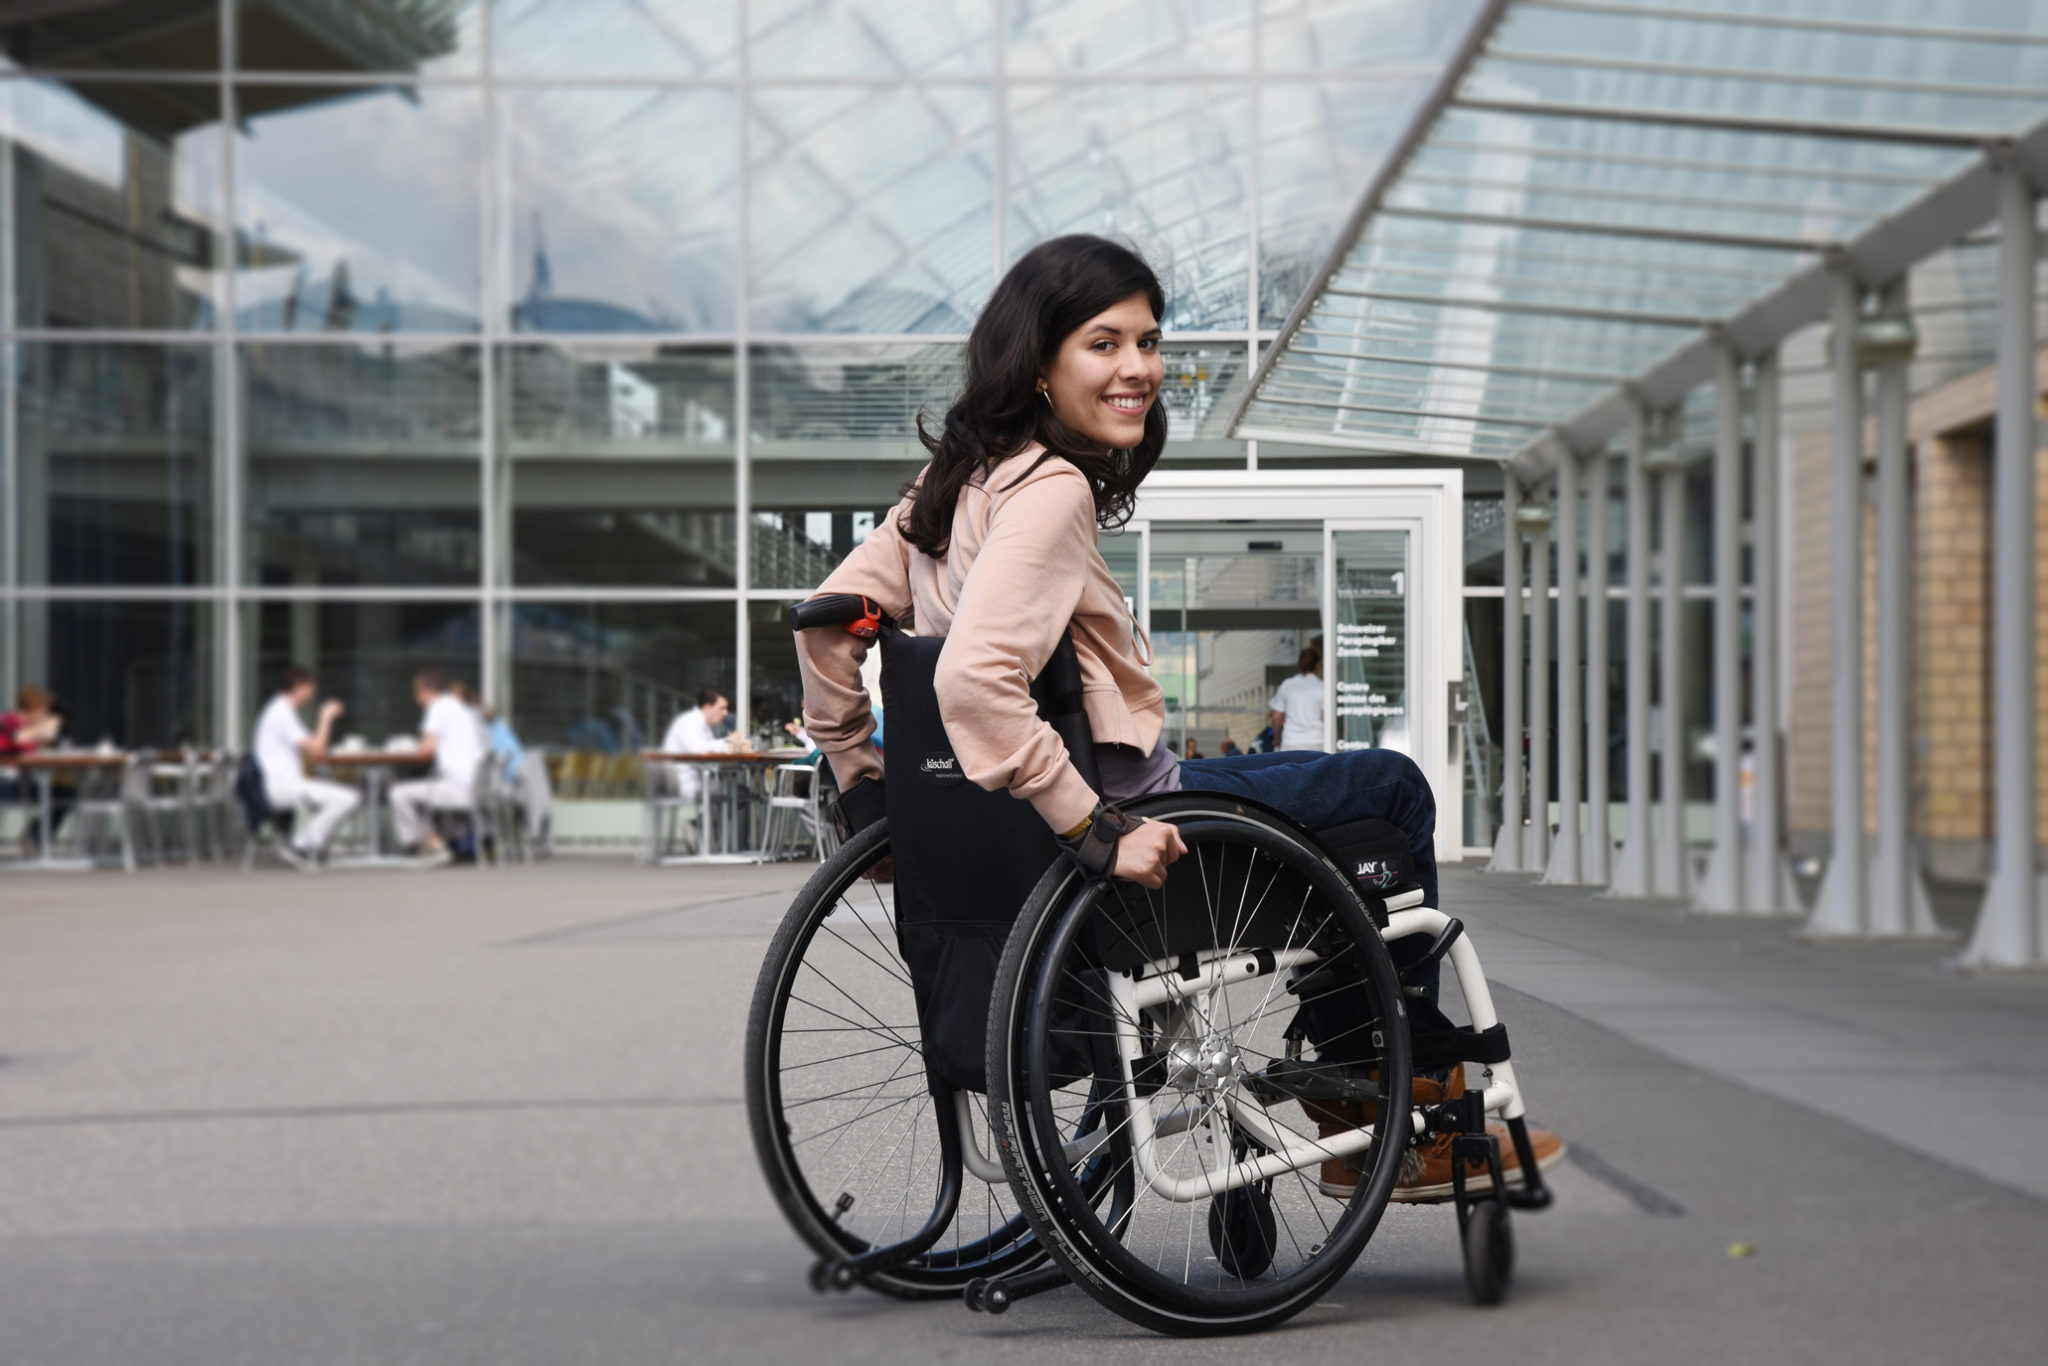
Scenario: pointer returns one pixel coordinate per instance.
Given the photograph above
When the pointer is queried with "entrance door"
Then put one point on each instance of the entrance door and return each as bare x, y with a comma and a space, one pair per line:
1235, 574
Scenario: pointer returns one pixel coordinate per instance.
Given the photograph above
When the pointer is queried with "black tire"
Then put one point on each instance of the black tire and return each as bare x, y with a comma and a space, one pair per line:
1489, 1252
844, 1126
1071, 935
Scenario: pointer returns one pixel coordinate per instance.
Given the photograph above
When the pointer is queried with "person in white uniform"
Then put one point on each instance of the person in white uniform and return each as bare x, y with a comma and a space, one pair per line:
696, 732
450, 735
283, 749
1297, 708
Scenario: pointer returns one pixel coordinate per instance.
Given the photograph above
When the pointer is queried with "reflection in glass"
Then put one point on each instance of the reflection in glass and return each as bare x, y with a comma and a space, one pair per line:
357, 209
621, 211
871, 208
1080, 37
870, 37
434, 37
606, 678
114, 463
617, 464
137, 673
364, 653
776, 685
1319, 142
833, 441
362, 463
1163, 166
1201, 386
123, 35
116, 203
1300, 35
614, 37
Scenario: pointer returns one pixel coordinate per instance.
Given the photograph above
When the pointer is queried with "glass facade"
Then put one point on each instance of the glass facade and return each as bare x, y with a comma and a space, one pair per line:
561, 343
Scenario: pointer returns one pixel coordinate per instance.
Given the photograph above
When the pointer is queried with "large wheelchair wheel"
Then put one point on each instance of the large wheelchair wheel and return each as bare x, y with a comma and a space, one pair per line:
1217, 1023
845, 1126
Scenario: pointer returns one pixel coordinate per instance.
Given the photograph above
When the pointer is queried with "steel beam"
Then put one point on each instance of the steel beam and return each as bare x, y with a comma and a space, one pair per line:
2009, 931
1507, 844
1580, 227
1599, 843
1562, 867
1536, 847
1843, 907
1801, 23
1898, 895
1513, 307
1632, 874
1710, 120
1671, 870
1721, 891
1770, 889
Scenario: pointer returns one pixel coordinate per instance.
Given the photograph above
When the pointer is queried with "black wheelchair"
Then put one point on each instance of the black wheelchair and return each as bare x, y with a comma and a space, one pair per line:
974, 1072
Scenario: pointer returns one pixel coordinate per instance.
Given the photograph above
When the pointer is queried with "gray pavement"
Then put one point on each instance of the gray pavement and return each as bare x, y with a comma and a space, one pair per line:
494, 1117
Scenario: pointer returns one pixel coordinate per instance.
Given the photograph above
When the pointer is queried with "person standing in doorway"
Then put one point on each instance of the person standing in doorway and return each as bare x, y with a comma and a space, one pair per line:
451, 737
1297, 708
283, 749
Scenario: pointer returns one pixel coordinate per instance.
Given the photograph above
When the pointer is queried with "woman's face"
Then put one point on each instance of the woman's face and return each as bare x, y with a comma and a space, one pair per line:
1107, 373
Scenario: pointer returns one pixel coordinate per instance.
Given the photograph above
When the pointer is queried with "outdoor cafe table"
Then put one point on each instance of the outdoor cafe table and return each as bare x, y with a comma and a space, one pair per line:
373, 765
46, 765
741, 764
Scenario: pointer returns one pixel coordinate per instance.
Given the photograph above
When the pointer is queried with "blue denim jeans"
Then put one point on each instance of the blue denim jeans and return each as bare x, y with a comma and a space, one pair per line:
1321, 790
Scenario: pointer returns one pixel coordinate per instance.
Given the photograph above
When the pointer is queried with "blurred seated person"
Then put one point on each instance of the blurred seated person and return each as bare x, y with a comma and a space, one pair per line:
284, 747
453, 738
499, 737
696, 732
1228, 747
33, 724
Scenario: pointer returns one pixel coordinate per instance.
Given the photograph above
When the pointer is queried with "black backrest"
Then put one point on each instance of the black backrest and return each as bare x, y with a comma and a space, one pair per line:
966, 859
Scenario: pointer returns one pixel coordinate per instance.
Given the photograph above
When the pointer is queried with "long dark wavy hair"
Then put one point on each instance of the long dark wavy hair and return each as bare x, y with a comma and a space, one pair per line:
1057, 286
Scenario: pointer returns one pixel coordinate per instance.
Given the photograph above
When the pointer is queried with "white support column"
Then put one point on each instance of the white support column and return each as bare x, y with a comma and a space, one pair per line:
1563, 865
2009, 931
1897, 894
1721, 891
1842, 908
1507, 844
1671, 866
1536, 846
1632, 872
1599, 835
1769, 873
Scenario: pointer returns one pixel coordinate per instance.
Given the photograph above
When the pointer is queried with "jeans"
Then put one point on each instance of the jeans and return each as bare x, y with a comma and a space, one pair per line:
1322, 790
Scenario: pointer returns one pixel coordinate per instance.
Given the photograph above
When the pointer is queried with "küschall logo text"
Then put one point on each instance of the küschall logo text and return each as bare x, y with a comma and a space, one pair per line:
941, 768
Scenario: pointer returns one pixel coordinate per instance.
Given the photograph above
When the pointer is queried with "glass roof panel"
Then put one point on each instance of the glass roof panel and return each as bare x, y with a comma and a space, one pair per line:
1606, 181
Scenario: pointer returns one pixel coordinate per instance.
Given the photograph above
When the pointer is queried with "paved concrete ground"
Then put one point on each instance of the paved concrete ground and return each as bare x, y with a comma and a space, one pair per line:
494, 1118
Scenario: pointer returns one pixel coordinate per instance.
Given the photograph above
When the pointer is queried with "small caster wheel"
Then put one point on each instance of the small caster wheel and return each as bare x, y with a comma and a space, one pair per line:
843, 1276
1489, 1252
995, 1297
821, 1276
971, 1296
1242, 1232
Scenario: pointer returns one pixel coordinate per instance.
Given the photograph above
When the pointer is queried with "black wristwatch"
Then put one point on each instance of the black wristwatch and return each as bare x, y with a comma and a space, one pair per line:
1092, 844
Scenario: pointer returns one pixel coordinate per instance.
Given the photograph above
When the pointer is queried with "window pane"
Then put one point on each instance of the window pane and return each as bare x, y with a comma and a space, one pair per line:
617, 464
777, 685
364, 653
116, 203
125, 35
342, 232
871, 209
1320, 143
114, 465
610, 676
136, 673
1073, 37
621, 210
1164, 166
363, 464
1301, 34
614, 37
1202, 385
870, 37
440, 37
834, 439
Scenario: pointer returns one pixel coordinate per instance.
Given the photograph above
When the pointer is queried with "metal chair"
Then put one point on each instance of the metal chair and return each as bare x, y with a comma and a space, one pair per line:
110, 796
793, 791
664, 822
168, 791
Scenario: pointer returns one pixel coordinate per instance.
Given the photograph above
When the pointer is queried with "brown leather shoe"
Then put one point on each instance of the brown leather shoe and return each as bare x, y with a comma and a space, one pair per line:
1433, 1182
1339, 1176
